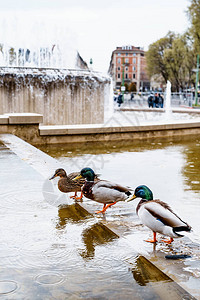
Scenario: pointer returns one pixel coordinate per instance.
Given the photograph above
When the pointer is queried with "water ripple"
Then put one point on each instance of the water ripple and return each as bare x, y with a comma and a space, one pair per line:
20, 198
7, 287
49, 278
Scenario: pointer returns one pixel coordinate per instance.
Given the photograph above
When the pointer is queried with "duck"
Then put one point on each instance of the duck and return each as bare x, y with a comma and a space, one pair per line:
158, 216
67, 184
102, 191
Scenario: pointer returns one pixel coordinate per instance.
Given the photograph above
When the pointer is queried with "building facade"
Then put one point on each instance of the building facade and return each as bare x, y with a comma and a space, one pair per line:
128, 67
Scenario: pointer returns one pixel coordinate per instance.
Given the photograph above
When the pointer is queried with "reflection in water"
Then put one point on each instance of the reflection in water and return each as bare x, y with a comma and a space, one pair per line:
97, 234
144, 272
71, 213
192, 167
104, 147
160, 285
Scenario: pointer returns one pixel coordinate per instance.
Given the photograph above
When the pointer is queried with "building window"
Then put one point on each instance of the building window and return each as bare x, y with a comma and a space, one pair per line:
119, 54
118, 68
133, 75
119, 60
134, 60
126, 76
134, 54
126, 47
126, 68
126, 60
126, 54
133, 68
118, 75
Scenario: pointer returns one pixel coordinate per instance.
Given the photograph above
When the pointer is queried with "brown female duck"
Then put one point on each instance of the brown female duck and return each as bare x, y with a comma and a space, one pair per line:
66, 184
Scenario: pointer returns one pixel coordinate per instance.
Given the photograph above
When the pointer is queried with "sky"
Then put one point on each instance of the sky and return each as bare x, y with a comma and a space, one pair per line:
94, 28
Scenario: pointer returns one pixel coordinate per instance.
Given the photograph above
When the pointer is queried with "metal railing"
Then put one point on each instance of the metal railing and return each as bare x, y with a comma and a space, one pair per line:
177, 99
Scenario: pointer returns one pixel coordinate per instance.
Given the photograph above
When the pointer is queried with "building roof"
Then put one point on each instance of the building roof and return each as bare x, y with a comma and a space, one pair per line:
125, 49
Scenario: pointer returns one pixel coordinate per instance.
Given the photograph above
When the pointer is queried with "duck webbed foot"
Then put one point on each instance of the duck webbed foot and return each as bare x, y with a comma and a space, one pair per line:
76, 197
154, 239
104, 208
168, 241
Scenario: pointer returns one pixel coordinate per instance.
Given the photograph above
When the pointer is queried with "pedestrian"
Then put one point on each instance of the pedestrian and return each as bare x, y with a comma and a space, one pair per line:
132, 96
160, 100
151, 100
120, 99
156, 101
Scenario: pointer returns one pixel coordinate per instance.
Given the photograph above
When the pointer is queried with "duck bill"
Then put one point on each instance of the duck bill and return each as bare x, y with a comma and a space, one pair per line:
53, 177
132, 198
77, 177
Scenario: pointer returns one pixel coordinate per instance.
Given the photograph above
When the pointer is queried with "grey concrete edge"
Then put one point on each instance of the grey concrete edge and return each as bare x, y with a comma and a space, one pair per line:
73, 130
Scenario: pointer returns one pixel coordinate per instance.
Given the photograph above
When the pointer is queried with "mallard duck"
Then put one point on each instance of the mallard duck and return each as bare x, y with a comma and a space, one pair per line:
102, 191
158, 216
66, 184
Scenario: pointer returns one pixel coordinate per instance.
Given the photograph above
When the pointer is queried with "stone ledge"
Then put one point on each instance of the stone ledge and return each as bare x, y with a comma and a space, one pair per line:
24, 118
188, 110
4, 119
100, 129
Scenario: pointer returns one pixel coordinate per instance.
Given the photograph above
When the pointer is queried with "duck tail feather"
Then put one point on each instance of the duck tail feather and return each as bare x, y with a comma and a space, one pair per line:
181, 228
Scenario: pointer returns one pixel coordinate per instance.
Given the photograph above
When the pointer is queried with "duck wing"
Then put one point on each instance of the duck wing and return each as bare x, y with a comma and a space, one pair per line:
162, 212
113, 186
109, 192
73, 175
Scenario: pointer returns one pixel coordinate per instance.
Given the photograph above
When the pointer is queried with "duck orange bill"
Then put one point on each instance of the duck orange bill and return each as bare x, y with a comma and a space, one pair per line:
53, 177
77, 177
132, 198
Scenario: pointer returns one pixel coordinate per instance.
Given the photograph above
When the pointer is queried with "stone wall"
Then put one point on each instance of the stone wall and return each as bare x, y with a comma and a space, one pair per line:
61, 96
27, 127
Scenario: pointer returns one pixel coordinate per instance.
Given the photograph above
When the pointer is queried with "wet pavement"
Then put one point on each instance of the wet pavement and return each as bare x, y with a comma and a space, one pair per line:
53, 248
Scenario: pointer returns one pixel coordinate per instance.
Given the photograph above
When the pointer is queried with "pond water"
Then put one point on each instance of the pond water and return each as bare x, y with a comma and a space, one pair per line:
170, 167
51, 248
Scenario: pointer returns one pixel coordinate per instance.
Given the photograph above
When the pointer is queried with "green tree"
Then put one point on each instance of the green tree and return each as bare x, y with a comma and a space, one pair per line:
156, 63
126, 86
132, 87
179, 61
194, 17
172, 58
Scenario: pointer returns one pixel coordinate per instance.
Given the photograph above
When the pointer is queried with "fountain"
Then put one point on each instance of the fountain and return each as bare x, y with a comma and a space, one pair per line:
109, 105
48, 77
62, 96
168, 109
